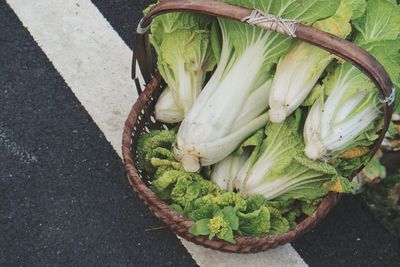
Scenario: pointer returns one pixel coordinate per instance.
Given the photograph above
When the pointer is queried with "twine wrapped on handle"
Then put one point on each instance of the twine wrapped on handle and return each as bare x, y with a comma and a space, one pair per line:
391, 98
272, 23
139, 120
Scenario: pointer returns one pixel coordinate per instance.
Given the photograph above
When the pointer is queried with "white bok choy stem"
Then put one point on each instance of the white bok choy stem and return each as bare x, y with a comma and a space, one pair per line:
185, 55
224, 172
280, 167
166, 109
331, 127
348, 116
299, 70
211, 130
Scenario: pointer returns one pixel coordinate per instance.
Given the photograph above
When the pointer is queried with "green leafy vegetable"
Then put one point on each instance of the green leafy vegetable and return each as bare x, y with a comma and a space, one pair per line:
279, 170
352, 105
279, 224
222, 225
255, 202
255, 223
192, 188
204, 212
299, 70
224, 173
380, 22
164, 185
232, 105
308, 207
183, 45
166, 109
201, 227
222, 200
156, 144
230, 184
358, 7
341, 185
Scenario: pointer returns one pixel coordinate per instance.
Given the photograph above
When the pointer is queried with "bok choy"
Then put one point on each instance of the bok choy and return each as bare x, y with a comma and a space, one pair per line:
299, 70
183, 45
228, 109
280, 168
166, 109
225, 172
275, 126
344, 119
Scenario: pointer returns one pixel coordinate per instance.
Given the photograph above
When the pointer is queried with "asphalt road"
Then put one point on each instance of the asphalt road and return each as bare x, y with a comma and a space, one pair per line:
64, 197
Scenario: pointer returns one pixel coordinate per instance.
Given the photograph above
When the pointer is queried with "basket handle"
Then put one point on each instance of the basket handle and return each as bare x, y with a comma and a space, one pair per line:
335, 45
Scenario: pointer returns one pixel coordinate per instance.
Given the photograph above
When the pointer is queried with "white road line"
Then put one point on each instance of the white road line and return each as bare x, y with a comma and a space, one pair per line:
284, 256
89, 54
95, 63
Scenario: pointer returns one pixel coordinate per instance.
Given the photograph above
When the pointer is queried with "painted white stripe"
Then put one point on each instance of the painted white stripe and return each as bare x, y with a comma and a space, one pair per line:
89, 54
95, 63
284, 256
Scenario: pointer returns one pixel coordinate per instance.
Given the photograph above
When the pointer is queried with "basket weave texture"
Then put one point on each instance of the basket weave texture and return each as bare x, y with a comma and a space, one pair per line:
141, 120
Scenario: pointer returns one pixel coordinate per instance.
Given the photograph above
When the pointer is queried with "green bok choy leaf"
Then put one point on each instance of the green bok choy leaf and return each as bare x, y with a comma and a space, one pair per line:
233, 103
335, 124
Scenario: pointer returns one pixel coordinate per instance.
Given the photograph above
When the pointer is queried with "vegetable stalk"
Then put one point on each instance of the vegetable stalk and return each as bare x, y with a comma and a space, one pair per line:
211, 130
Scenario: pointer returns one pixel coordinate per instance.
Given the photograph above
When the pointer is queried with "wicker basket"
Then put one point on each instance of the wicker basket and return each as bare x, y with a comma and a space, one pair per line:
141, 117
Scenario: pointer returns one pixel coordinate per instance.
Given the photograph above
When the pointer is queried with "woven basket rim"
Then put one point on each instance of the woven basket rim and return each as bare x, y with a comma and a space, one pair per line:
342, 48
180, 224
177, 222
